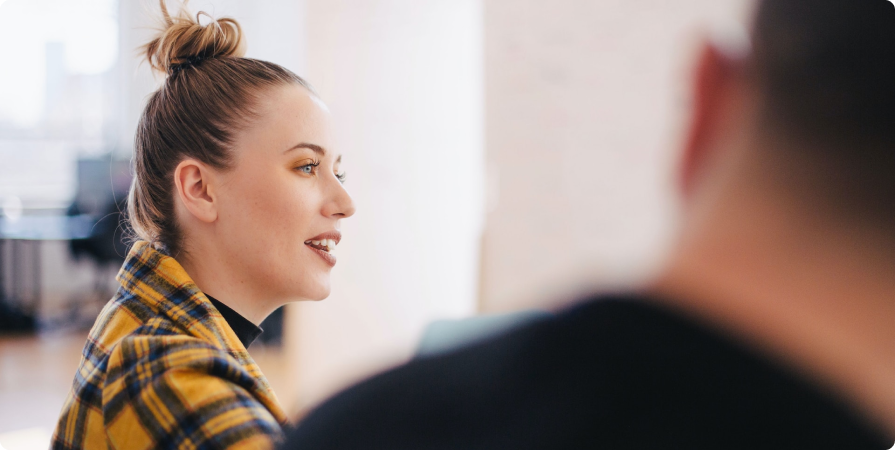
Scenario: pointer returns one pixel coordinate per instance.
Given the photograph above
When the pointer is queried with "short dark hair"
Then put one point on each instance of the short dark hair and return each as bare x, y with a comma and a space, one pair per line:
826, 73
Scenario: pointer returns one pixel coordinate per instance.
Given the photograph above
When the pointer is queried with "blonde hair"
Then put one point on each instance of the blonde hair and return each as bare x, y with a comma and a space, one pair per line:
209, 93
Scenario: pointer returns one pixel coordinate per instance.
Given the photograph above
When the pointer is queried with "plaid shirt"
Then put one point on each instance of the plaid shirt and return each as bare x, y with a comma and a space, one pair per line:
162, 369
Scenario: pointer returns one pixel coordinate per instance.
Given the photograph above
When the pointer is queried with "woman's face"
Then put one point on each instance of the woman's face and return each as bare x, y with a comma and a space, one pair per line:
282, 200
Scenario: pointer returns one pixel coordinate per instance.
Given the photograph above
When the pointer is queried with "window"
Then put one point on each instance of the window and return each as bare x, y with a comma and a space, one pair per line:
58, 89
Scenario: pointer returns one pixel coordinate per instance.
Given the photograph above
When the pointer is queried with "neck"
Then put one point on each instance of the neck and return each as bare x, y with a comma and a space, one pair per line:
818, 296
215, 275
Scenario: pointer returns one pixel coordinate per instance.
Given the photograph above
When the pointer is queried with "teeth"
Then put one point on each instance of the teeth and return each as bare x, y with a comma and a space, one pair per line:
324, 244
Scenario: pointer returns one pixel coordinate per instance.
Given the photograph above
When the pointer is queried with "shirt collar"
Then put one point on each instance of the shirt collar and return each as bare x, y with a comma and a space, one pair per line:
161, 283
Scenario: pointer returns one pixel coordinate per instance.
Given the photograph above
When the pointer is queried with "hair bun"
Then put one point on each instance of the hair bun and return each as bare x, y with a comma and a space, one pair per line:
183, 40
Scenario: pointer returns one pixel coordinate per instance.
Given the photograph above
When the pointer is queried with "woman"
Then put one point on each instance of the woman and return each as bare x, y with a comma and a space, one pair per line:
236, 201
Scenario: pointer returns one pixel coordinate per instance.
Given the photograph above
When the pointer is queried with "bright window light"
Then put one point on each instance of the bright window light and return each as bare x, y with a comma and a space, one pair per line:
81, 36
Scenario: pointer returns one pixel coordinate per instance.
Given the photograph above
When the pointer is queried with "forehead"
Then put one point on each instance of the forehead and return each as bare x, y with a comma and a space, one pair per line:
294, 100
286, 116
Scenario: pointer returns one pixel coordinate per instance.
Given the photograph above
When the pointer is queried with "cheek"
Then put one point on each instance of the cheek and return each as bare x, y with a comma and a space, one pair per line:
271, 213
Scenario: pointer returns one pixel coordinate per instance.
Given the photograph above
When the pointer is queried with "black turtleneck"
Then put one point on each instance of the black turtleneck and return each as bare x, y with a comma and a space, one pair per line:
245, 330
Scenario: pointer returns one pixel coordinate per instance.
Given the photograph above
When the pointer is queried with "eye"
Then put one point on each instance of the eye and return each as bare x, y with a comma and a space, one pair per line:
308, 169
341, 177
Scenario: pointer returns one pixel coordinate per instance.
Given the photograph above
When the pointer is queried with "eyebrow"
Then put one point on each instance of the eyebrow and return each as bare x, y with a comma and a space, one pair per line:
316, 148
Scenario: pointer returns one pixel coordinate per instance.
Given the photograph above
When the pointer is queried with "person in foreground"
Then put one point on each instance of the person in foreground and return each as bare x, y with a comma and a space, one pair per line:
771, 326
237, 199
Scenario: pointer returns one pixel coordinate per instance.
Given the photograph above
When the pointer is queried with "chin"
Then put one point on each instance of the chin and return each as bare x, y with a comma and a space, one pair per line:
320, 297
305, 296
311, 284
315, 293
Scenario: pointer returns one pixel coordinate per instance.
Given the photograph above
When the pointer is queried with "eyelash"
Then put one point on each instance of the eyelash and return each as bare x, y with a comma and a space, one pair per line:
340, 176
313, 167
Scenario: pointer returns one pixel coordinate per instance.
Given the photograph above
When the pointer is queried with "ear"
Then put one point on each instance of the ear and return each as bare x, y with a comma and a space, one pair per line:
195, 189
712, 80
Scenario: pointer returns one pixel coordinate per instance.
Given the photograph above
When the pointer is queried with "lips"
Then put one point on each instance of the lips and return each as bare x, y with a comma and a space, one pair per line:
323, 244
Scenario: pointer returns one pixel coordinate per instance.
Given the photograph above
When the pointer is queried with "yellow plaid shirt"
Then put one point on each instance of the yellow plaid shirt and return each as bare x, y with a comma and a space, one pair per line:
162, 369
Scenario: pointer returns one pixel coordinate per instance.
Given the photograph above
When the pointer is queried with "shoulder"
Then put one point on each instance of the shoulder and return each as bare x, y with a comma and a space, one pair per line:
127, 315
466, 394
170, 391
141, 346
615, 371
622, 330
141, 359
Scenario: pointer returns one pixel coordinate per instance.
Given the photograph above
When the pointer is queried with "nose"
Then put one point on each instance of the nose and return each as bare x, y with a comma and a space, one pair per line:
340, 204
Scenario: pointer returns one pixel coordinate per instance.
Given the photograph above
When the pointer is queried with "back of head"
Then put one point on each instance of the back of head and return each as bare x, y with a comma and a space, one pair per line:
825, 70
209, 93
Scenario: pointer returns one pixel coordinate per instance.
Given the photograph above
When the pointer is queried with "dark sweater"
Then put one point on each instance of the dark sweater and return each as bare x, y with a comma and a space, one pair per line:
245, 330
612, 373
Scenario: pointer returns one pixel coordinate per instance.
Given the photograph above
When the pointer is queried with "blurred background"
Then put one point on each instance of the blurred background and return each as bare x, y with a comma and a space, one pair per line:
505, 156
